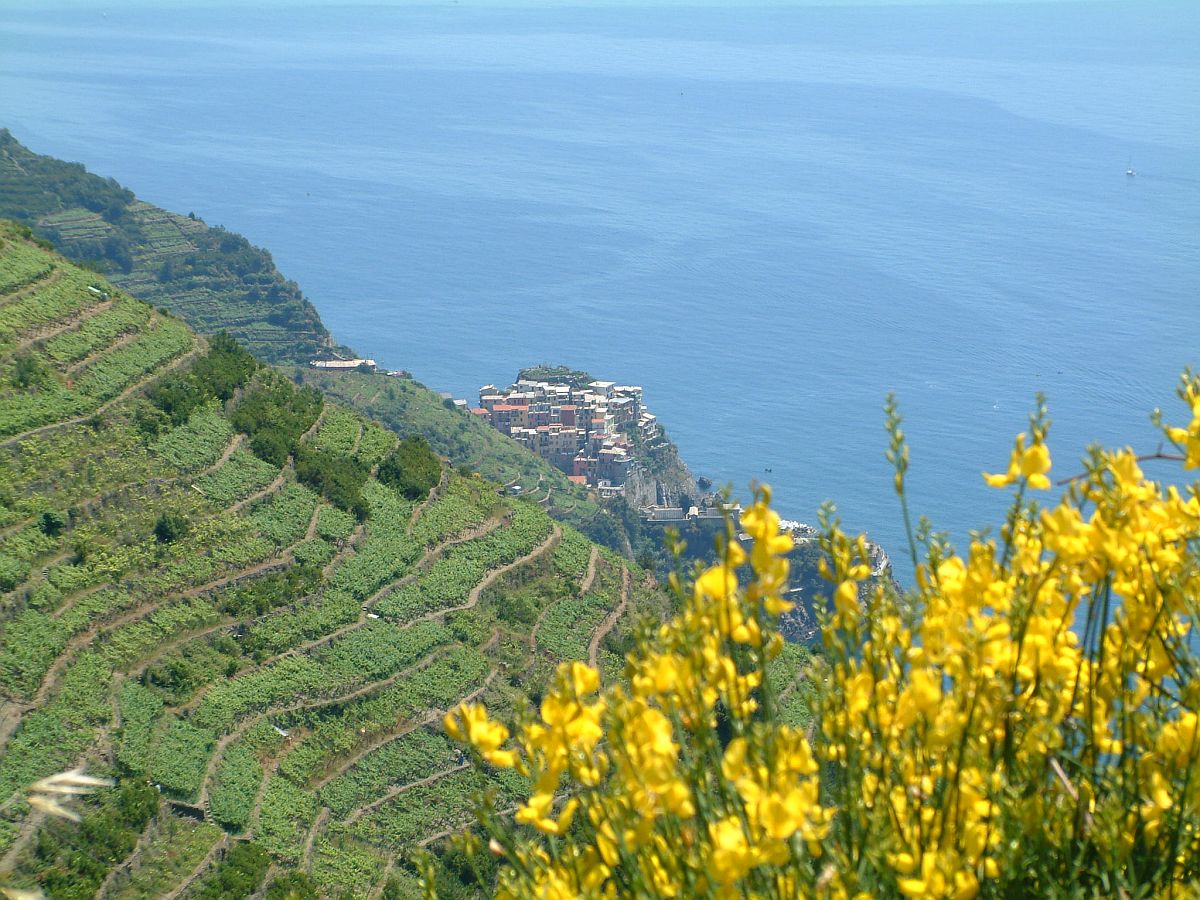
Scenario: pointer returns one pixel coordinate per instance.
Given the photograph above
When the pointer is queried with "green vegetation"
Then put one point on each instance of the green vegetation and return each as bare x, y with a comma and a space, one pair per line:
410, 409
412, 468
71, 861
238, 875
242, 475
576, 378
175, 847
213, 278
258, 589
224, 588
275, 415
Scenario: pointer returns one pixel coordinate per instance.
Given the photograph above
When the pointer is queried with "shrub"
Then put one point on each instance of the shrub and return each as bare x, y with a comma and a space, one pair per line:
239, 874
29, 371
412, 469
170, 527
275, 413
218, 374
52, 523
1023, 722
339, 479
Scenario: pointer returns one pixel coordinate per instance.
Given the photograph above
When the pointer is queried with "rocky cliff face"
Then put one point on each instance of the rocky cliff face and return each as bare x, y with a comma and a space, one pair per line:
663, 478
663, 485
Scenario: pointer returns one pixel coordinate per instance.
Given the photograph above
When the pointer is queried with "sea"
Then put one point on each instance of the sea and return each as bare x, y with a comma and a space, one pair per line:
769, 217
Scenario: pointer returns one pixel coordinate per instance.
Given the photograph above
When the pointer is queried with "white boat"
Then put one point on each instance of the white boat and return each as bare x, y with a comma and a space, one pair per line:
1129, 170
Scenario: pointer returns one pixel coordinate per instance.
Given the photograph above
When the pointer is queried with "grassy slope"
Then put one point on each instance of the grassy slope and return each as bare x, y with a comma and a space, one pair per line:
408, 407
182, 662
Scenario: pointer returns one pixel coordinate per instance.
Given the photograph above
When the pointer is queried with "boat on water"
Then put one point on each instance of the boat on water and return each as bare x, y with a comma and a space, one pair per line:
1129, 169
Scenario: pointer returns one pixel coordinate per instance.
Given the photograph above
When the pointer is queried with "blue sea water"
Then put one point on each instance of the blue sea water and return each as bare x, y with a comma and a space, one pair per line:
768, 217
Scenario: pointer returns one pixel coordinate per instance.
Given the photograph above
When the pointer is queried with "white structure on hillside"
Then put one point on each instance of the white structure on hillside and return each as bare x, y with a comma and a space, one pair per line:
342, 365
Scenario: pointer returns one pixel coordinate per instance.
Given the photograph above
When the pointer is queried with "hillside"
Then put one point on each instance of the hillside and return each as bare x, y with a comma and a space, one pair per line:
216, 281
37, 190
212, 278
251, 605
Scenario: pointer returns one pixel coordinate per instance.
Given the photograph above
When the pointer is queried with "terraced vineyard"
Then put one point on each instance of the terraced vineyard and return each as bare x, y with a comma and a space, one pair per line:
209, 595
212, 278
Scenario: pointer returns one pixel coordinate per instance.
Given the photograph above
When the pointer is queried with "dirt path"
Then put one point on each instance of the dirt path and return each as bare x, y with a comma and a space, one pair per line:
34, 820
272, 874
41, 568
590, 575
86, 504
123, 341
584, 586
238, 440
800, 677
175, 643
256, 810
316, 425
9, 530
32, 824
217, 849
433, 715
429, 556
463, 823
358, 438
436, 552
533, 634
11, 711
394, 792
306, 856
144, 609
492, 576
311, 531
141, 384
71, 600
127, 864
434, 493
276, 484
472, 600
53, 330
304, 706
346, 548
610, 620
377, 891
279, 561
43, 281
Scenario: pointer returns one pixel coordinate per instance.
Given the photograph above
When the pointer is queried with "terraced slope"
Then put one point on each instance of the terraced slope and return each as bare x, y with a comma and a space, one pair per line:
206, 591
214, 279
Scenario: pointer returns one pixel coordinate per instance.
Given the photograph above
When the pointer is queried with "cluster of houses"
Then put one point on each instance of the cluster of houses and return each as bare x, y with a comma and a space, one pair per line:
585, 432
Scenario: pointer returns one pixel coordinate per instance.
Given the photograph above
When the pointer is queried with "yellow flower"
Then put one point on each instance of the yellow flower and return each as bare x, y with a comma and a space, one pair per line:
468, 722
1025, 702
731, 856
1034, 464
1031, 463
